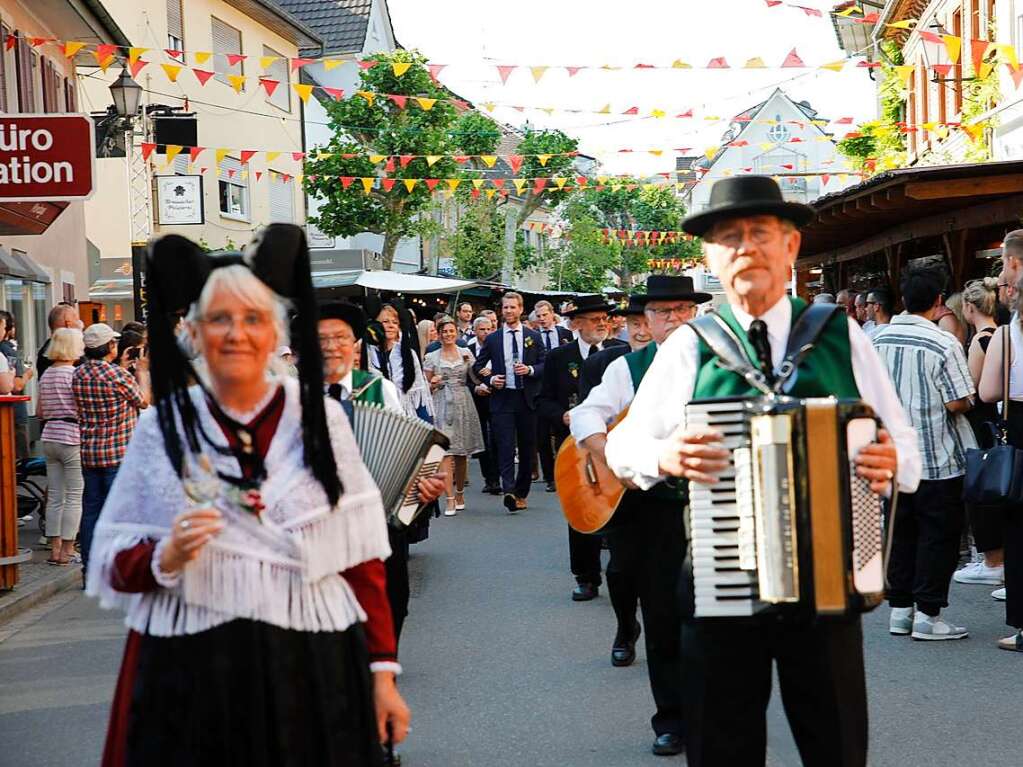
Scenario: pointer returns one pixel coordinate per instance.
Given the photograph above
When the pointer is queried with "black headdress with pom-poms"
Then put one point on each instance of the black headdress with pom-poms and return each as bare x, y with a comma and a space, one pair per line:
176, 271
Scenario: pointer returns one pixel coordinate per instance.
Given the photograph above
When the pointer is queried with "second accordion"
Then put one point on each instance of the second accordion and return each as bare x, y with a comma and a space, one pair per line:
398, 450
789, 528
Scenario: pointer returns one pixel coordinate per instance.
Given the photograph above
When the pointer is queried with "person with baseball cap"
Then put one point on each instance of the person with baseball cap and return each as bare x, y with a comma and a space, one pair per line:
109, 399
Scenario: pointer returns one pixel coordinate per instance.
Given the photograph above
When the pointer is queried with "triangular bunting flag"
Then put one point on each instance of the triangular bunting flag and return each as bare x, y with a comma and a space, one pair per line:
929, 37
537, 72
978, 49
453, 183
387, 184
269, 85
399, 101
792, 61
304, 90
405, 159
147, 149
137, 67
488, 159
172, 71
175, 54
942, 70
431, 183
544, 159
520, 184
259, 175
679, 64
400, 67
296, 63
834, 66
1008, 55
426, 104
194, 152
201, 57
973, 131
367, 185
72, 47
298, 156
503, 71
221, 154
904, 73
367, 63
432, 159
377, 158
478, 182
435, 70
346, 181
490, 193
498, 183
560, 182
331, 64
718, 63
954, 46
539, 185
1016, 75
265, 62
755, 63
246, 155
233, 59
202, 75
335, 93
173, 150
573, 71
237, 82
514, 162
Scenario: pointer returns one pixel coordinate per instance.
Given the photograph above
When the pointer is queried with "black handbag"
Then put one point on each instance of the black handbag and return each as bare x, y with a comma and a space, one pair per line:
994, 476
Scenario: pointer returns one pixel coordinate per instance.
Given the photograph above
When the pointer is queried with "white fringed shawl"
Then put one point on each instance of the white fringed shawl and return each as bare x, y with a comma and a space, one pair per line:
283, 570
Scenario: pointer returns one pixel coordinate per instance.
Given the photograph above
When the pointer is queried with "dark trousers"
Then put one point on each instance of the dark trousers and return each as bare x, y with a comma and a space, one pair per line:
988, 526
583, 549
646, 549
97, 482
547, 438
514, 425
488, 458
1014, 567
727, 686
396, 567
925, 545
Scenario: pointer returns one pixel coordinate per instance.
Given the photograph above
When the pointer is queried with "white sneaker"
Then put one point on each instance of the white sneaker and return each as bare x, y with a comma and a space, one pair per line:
978, 572
999, 594
936, 628
900, 622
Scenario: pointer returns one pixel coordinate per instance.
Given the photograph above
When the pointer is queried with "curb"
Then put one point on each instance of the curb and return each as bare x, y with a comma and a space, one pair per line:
20, 601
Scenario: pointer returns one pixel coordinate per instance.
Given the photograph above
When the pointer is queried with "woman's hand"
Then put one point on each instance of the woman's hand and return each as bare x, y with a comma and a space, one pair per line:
192, 530
877, 462
391, 707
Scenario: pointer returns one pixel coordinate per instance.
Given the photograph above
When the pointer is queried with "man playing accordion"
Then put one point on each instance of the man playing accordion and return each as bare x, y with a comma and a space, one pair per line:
751, 242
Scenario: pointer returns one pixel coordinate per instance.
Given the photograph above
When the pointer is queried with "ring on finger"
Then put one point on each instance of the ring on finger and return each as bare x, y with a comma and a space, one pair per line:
184, 524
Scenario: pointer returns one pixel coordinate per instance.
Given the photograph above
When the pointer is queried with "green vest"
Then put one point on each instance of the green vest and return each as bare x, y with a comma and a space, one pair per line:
374, 393
825, 371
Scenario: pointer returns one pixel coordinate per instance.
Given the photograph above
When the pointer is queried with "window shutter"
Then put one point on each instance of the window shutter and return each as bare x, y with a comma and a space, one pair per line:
279, 71
175, 24
229, 164
26, 76
4, 32
70, 97
181, 164
48, 94
226, 39
282, 201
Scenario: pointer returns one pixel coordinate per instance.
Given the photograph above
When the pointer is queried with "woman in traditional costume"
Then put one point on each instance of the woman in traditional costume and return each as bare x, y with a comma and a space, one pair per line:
398, 358
244, 537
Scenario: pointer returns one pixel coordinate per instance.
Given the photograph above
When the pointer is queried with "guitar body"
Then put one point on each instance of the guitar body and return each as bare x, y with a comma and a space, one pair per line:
588, 490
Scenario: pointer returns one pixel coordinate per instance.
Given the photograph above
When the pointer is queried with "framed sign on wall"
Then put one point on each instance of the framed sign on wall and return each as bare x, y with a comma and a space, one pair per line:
179, 200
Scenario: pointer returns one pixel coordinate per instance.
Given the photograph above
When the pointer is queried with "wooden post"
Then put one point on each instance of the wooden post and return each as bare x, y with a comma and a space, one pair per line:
8, 495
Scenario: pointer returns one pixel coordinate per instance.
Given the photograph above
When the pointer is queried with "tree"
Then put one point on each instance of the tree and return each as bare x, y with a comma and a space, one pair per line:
476, 246
393, 116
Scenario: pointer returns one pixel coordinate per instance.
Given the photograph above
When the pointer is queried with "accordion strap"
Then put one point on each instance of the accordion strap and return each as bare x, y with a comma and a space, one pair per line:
803, 337
725, 345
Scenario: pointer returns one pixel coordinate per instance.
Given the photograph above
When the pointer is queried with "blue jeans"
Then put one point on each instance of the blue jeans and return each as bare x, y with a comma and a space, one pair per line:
97, 487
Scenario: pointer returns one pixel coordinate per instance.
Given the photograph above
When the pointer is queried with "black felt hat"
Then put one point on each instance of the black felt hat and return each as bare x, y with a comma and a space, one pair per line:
671, 287
746, 196
346, 312
590, 303
634, 307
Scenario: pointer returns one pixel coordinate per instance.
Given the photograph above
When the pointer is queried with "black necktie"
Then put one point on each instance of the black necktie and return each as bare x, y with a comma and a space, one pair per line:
515, 356
547, 339
337, 391
757, 335
593, 350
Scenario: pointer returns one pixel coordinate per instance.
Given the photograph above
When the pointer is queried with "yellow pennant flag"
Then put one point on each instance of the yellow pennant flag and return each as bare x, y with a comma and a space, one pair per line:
426, 104
172, 71
237, 82
679, 64
432, 159
985, 69
324, 155
410, 184
520, 184
72, 47
905, 24
173, 150
244, 175
221, 154
834, 66
134, 54
850, 11
331, 64
367, 95
711, 152
265, 62
766, 145
490, 193
488, 105
453, 183
367, 184
560, 181
928, 126
543, 158
303, 90
271, 156
755, 63
605, 111
399, 68
478, 182
537, 73
201, 57
105, 63
768, 121
377, 158
601, 180
657, 113
488, 159
655, 152
217, 171
1008, 54
299, 177
548, 110
905, 73
954, 46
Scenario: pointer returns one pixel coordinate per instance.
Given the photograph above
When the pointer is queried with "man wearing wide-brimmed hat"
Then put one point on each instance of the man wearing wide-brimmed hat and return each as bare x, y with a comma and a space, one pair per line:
750, 243
559, 393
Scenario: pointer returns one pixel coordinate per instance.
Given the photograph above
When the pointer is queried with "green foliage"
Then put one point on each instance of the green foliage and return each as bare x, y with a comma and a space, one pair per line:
978, 97
476, 244
543, 142
584, 261
881, 141
376, 125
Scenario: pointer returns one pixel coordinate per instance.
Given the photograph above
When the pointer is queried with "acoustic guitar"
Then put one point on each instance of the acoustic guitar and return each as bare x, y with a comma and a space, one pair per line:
588, 490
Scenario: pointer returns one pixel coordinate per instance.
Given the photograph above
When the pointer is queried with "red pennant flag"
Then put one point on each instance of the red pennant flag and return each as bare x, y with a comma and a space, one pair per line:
203, 170
580, 180
475, 194
349, 155
286, 178
202, 75
942, 70
869, 64
194, 152
387, 184
825, 178
10, 42
367, 63
435, 70
147, 149
644, 66
104, 50
460, 105
461, 159
1016, 75
498, 183
539, 184
297, 156
514, 162
269, 85
431, 183
631, 111
809, 11
246, 155
573, 71
870, 18
399, 101
718, 63
35, 42
792, 61
503, 72
259, 175
231, 172
296, 63
787, 166
405, 159
335, 93
977, 50
843, 121
346, 181
137, 67
179, 55
389, 165
233, 59
930, 37
773, 3
687, 113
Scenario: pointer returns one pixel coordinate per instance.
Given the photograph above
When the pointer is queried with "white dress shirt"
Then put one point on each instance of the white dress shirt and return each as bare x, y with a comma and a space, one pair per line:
634, 447
509, 363
550, 335
584, 348
605, 401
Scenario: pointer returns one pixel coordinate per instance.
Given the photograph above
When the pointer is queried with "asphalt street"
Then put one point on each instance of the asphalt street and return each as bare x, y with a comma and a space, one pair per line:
503, 670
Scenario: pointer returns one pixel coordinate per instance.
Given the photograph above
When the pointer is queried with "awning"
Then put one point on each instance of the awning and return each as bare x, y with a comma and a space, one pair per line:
21, 266
117, 289
335, 279
396, 282
20, 218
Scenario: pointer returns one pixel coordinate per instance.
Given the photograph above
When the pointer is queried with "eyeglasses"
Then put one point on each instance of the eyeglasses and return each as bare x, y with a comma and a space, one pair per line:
1002, 285
759, 234
251, 322
327, 342
679, 310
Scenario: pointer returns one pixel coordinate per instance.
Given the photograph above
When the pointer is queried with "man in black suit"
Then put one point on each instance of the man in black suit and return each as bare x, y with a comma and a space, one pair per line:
560, 393
511, 365
553, 336
483, 327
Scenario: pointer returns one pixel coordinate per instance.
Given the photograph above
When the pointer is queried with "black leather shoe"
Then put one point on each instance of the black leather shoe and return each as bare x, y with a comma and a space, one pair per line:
492, 489
623, 651
551, 488
510, 503
584, 592
668, 744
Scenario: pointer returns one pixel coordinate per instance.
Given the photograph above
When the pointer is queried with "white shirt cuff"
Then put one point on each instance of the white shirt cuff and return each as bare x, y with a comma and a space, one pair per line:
166, 580
386, 665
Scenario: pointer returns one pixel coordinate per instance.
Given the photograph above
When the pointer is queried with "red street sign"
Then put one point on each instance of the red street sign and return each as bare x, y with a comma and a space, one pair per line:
46, 157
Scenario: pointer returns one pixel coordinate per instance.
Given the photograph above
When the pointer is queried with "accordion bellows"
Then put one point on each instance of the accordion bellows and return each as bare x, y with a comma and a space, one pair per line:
398, 450
790, 527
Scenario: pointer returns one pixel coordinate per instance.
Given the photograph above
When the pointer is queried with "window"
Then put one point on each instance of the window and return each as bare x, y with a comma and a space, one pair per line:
175, 26
27, 62
278, 71
226, 41
51, 87
70, 98
282, 200
234, 192
912, 119
925, 114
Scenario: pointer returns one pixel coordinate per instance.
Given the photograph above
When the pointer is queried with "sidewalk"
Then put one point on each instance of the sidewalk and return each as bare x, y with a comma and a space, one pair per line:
37, 580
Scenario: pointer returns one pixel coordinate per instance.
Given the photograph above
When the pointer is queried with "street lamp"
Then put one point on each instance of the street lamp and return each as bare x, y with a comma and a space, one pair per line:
127, 95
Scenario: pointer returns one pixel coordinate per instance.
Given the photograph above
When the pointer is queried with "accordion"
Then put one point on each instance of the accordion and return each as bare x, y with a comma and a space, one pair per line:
789, 528
398, 450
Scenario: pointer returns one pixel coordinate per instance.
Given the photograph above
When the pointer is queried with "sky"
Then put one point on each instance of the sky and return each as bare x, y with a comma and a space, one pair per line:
472, 36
